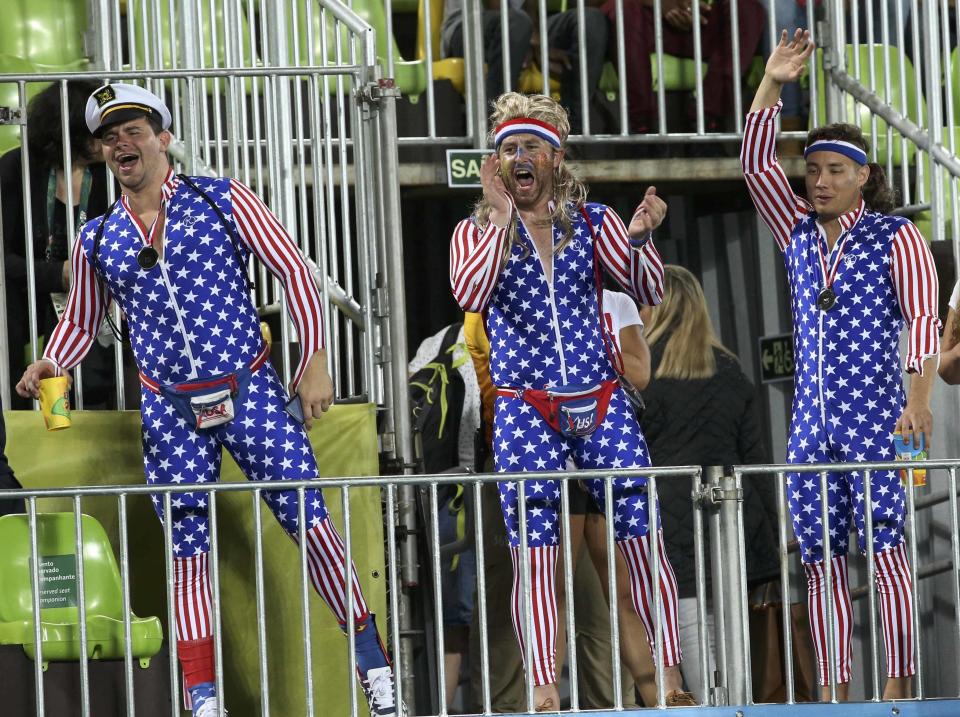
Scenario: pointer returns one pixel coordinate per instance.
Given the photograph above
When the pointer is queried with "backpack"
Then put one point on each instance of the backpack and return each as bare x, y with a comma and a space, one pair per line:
436, 401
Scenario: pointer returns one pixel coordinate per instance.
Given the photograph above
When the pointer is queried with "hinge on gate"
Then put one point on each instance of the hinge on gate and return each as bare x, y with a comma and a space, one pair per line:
11, 115
717, 495
384, 87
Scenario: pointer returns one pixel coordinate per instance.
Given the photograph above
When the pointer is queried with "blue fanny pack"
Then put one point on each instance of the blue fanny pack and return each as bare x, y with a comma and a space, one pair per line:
208, 402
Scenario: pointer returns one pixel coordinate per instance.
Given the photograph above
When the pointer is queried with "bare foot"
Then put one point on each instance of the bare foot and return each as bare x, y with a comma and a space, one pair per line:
546, 698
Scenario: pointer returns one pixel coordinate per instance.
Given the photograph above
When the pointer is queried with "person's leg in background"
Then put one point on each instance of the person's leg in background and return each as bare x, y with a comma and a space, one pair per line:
519, 31
458, 581
563, 35
718, 53
633, 635
505, 676
698, 684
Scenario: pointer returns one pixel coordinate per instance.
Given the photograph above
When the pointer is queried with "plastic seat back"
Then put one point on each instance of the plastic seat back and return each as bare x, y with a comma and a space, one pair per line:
56, 545
48, 33
884, 56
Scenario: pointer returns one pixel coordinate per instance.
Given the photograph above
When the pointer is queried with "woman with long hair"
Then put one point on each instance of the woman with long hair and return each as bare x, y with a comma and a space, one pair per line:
701, 410
858, 277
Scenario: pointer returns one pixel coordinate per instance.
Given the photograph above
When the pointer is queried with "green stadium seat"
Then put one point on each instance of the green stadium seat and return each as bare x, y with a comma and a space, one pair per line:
679, 74
211, 28
883, 56
60, 628
48, 33
410, 76
10, 96
924, 220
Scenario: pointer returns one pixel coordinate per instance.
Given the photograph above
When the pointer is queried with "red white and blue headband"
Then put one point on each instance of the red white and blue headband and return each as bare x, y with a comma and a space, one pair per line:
847, 149
526, 125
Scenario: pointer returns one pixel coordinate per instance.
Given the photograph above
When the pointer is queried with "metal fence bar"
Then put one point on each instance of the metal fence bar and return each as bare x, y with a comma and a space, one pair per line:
393, 589
526, 597
783, 525
568, 568
305, 606
171, 602
699, 557
437, 598
914, 562
35, 595
215, 597
482, 598
955, 555
81, 608
654, 561
828, 583
871, 583
350, 603
258, 580
658, 44
125, 602
719, 569
613, 597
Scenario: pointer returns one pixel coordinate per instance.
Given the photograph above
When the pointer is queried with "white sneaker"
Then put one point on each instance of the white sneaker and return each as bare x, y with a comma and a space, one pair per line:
210, 708
378, 688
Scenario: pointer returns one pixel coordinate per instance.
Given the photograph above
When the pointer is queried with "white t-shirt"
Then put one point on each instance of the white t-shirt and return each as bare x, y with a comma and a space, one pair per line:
955, 296
470, 417
622, 312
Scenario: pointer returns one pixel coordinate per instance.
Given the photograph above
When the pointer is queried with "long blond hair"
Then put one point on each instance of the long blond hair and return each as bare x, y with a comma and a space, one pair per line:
567, 189
683, 319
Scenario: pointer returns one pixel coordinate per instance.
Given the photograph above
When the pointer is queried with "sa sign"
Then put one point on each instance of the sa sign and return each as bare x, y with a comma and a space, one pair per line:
463, 167
776, 358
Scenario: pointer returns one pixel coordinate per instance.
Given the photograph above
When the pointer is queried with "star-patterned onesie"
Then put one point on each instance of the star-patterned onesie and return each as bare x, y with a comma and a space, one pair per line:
547, 334
848, 387
191, 317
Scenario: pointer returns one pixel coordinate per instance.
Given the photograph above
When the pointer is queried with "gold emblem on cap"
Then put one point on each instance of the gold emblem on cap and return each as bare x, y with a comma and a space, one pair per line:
107, 94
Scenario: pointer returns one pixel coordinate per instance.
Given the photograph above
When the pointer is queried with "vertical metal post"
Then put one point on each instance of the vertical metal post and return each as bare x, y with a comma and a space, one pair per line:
699, 558
261, 605
933, 90
481, 602
955, 552
125, 594
718, 569
35, 595
81, 608
476, 98
833, 646
871, 583
734, 588
5, 377
568, 568
192, 98
831, 40
609, 534
783, 526
97, 41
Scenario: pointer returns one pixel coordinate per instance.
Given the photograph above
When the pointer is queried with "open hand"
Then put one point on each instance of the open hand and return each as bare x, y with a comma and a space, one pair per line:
29, 384
789, 59
495, 192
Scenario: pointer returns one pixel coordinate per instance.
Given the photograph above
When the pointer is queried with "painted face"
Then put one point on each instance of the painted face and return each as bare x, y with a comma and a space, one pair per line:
527, 164
134, 153
833, 183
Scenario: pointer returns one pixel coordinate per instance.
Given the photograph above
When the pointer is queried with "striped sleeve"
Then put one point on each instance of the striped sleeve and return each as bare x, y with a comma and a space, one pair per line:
915, 282
263, 233
639, 271
766, 181
86, 307
475, 263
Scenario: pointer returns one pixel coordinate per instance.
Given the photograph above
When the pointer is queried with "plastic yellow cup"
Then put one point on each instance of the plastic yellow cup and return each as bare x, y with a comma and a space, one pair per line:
55, 402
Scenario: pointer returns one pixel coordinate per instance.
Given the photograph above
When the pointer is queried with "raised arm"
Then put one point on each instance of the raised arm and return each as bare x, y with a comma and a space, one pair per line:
766, 181
475, 253
265, 236
629, 255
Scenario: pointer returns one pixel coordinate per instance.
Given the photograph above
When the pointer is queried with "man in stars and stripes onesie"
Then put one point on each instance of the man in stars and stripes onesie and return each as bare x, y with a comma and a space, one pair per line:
526, 258
172, 252
857, 276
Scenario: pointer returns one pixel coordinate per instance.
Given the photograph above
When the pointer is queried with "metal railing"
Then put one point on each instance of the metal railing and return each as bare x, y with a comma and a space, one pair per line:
716, 497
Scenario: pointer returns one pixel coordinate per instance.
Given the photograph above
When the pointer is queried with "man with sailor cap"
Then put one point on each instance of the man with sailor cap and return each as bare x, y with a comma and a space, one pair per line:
172, 252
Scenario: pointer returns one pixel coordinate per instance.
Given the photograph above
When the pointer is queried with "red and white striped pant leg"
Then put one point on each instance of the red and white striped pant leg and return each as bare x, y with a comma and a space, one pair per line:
636, 553
326, 565
543, 603
842, 617
193, 606
895, 589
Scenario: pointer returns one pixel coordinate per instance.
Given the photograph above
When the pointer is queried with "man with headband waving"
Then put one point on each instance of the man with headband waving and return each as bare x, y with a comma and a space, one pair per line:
857, 277
530, 259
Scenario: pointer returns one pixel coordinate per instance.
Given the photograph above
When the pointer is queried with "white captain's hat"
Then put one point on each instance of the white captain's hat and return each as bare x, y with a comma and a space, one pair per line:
120, 103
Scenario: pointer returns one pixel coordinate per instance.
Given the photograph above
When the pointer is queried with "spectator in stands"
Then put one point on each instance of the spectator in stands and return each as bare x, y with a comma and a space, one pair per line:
8, 481
458, 571
587, 524
523, 31
177, 267
701, 410
533, 230
716, 45
857, 276
950, 343
48, 218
